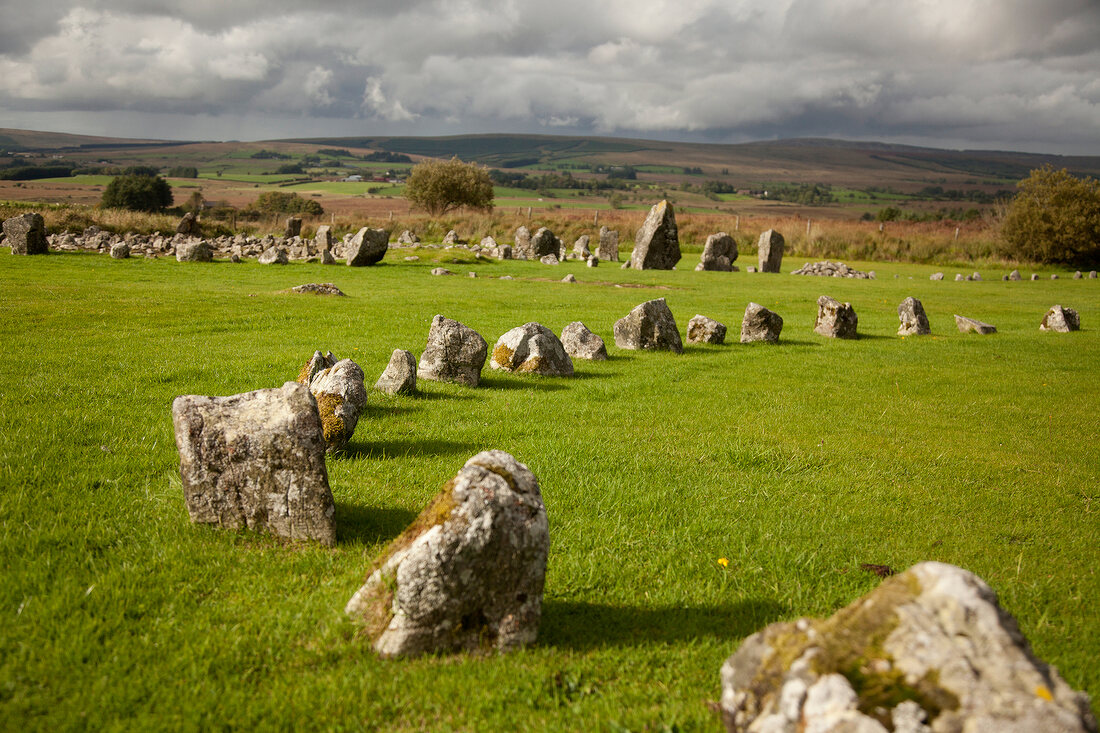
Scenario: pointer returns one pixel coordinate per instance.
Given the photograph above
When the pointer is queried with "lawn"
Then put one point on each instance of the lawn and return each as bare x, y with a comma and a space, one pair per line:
796, 462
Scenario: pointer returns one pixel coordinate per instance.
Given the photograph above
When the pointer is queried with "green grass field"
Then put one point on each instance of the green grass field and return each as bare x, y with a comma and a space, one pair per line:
796, 462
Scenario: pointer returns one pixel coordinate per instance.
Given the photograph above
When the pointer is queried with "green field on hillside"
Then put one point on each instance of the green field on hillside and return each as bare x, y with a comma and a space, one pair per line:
795, 462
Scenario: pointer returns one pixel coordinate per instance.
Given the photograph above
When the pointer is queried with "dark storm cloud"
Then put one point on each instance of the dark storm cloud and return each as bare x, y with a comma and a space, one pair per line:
978, 73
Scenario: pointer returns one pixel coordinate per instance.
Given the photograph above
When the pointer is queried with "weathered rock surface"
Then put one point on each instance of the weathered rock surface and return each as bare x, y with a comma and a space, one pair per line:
580, 343
1062, 320
256, 460
322, 238
769, 249
703, 330
592, 261
327, 257
650, 326
188, 225
1014, 275
549, 260
760, 324
195, 250
441, 271
832, 269
719, 253
26, 234
913, 320
570, 278
120, 251
580, 247
531, 349
835, 319
657, 243
522, 243
1034, 276
936, 276
451, 237
273, 256
293, 227
468, 573
399, 376
929, 650
1078, 275
454, 353
544, 243
966, 325
1092, 274
318, 289
341, 396
317, 363
407, 237
367, 247
608, 248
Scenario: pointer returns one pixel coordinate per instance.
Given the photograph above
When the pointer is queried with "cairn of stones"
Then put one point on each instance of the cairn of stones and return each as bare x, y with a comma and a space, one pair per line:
832, 269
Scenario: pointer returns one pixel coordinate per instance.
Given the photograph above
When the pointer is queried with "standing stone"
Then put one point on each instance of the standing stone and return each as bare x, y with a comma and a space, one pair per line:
454, 353
400, 374
719, 253
322, 238
593, 261
1014, 275
196, 250
468, 573
367, 247
407, 237
26, 234
657, 243
316, 364
959, 277
703, 330
273, 256
256, 460
531, 349
549, 260
188, 225
936, 276
608, 248
341, 397
967, 325
120, 250
1077, 275
1092, 274
327, 258
543, 244
760, 324
913, 320
770, 251
1062, 320
580, 248
580, 343
293, 227
522, 242
930, 649
835, 319
1034, 276
451, 237
650, 326
1054, 276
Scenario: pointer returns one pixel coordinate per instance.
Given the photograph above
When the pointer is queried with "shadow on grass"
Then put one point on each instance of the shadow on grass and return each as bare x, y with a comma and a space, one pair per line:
369, 525
581, 625
548, 384
399, 448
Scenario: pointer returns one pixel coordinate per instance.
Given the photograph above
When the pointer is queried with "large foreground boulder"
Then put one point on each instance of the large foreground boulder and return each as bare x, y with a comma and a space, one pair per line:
1062, 320
928, 651
341, 397
468, 573
760, 324
531, 349
719, 253
256, 460
704, 330
657, 243
650, 326
580, 343
454, 353
399, 376
26, 234
770, 251
913, 320
367, 247
835, 319
195, 250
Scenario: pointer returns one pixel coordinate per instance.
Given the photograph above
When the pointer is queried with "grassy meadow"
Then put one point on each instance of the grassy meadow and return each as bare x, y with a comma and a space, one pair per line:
792, 463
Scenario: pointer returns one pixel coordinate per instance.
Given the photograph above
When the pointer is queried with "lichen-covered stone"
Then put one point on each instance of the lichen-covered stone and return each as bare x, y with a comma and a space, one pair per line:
293, 227
26, 234
580, 343
256, 460
930, 649
399, 376
454, 353
407, 237
719, 253
657, 243
542, 244
704, 330
468, 573
531, 349
1062, 320
580, 247
770, 251
341, 397
914, 322
273, 256
968, 325
522, 243
317, 363
120, 251
760, 324
196, 250
835, 319
322, 238
650, 326
367, 247
608, 248
319, 289
188, 224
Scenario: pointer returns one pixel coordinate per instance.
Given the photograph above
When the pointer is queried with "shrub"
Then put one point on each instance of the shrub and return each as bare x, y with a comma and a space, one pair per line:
290, 168
1054, 218
183, 171
280, 202
137, 193
438, 187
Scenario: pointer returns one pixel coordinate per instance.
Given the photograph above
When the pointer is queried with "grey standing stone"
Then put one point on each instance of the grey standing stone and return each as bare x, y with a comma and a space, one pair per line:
913, 320
341, 397
770, 251
593, 261
26, 234
935, 652
504, 252
649, 326
522, 243
454, 353
657, 243
367, 247
292, 228
836, 319
608, 248
1014, 275
195, 250
580, 343
327, 258
407, 237
1054, 276
959, 277
967, 325
1077, 275
256, 460
936, 276
549, 260
273, 256
570, 278
544, 244
468, 573
531, 349
719, 253
1062, 320
322, 238
188, 225
1092, 274
760, 324
580, 247
120, 250
399, 376
703, 330
451, 237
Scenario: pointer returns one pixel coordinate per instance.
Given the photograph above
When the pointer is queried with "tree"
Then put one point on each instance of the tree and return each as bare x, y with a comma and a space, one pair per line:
1054, 218
279, 202
137, 193
438, 187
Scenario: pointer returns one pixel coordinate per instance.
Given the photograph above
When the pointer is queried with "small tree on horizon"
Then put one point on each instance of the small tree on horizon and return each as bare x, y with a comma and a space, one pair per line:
440, 186
1054, 218
137, 193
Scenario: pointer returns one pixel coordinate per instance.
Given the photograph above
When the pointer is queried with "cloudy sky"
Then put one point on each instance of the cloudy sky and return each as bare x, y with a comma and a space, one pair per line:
1009, 74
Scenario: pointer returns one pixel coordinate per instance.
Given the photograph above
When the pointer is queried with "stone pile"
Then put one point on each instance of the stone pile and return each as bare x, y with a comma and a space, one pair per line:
832, 269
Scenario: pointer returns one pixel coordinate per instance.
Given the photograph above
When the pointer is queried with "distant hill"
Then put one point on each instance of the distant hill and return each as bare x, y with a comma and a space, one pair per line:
40, 141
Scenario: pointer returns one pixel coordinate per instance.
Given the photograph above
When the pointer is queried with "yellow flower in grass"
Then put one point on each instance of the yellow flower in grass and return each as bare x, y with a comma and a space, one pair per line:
724, 562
